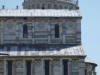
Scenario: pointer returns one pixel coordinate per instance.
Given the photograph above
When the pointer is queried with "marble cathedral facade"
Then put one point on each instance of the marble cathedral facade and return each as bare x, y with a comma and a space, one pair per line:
43, 38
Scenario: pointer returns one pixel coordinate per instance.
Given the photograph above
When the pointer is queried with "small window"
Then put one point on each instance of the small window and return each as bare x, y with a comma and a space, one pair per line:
65, 67
56, 31
47, 67
28, 67
9, 68
25, 31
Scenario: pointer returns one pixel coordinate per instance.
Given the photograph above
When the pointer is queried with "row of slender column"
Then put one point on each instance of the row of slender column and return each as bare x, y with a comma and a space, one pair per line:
52, 71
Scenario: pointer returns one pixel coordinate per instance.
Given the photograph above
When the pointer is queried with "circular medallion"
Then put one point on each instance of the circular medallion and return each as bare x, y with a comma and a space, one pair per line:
19, 64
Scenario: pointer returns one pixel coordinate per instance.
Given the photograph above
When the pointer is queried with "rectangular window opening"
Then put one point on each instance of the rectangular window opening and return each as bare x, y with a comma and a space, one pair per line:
65, 67
56, 31
9, 67
47, 68
25, 31
28, 65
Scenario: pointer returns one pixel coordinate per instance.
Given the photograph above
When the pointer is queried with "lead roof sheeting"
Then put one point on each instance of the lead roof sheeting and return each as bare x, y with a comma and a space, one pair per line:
44, 51
39, 13
87, 60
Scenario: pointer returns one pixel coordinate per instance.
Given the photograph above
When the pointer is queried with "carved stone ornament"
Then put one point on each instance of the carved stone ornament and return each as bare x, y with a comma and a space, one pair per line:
19, 64
75, 63
1, 64
56, 63
37, 63
70, 25
10, 24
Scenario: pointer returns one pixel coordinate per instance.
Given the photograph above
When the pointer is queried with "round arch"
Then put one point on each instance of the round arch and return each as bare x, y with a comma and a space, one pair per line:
49, 6
55, 6
37, 6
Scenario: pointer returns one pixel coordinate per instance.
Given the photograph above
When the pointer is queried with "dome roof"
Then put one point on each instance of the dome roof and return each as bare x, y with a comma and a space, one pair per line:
50, 4
71, 1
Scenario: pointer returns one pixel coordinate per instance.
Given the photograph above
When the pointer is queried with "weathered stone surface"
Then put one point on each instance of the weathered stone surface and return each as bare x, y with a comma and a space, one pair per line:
12, 31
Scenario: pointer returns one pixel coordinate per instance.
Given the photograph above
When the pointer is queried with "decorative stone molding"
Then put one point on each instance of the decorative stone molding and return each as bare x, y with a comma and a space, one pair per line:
9, 24
1, 64
37, 63
56, 63
75, 63
19, 64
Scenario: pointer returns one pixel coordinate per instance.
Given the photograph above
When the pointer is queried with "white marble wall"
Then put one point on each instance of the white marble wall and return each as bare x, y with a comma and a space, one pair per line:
37, 66
40, 30
75, 66
19, 67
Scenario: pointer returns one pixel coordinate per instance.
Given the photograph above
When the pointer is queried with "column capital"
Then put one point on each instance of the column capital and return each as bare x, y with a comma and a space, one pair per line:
66, 59
47, 59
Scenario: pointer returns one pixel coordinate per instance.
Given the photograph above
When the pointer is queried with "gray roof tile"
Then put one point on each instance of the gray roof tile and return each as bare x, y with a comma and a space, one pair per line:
87, 60
39, 13
43, 51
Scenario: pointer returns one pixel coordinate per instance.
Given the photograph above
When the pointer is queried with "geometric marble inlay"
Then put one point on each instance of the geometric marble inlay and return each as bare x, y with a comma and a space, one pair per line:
37, 63
56, 63
1, 64
10, 25
70, 25
75, 63
19, 64
41, 26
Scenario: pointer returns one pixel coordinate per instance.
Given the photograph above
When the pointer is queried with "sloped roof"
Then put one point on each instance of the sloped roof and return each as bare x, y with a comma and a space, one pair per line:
39, 13
87, 60
43, 51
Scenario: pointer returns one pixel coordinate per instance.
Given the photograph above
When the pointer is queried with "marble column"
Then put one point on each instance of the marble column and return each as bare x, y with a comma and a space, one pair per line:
13, 67
81, 67
17, 32
32, 67
87, 72
49, 33
61, 67
51, 67
24, 67
42, 67
63, 34
2, 23
33, 32
69, 67
78, 30
60, 31
5, 67
63, 38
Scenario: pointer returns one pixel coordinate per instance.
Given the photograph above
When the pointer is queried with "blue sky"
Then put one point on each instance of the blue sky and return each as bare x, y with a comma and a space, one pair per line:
90, 10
